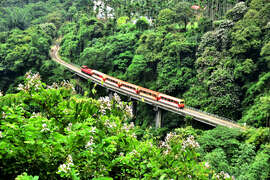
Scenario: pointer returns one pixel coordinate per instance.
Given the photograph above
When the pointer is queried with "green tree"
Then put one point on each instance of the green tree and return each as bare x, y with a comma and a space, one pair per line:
183, 13
166, 17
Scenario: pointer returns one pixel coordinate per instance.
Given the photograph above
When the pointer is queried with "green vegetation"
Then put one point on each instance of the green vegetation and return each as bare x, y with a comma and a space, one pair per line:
50, 132
216, 57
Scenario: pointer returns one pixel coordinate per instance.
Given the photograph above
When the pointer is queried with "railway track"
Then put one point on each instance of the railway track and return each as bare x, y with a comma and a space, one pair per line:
198, 115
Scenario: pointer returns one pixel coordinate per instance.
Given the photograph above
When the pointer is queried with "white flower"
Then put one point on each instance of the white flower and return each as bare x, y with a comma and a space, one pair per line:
4, 115
105, 103
127, 127
34, 115
169, 136
68, 85
1, 93
69, 160
190, 143
63, 168
66, 167
1, 134
134, 135
109, 124
129, 110
53, 86
226, 175
117, 98
69, 127
20, 87
89, 144
223, 175
207, 165
93, 130
163, 144
134, 152
44, 128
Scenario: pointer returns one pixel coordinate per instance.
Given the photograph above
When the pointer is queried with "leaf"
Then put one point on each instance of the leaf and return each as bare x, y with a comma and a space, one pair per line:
162, 177
103, 178
29, 142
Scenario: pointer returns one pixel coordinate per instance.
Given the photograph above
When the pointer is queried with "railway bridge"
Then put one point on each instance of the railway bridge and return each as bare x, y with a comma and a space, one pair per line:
196, 114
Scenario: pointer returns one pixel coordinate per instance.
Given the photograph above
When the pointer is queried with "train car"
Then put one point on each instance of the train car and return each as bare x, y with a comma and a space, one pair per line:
163, 98
129, 87
171, 100
86, 70
113, 81
148, 93
99, 75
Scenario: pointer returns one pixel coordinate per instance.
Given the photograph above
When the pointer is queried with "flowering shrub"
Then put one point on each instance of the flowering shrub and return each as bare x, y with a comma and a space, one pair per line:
25, 176
32, 82
49, 132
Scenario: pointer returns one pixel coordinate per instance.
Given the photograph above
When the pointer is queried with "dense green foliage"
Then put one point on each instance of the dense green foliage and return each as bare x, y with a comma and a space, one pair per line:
50, 132
223, 71
217, 58
245, 154
27, 29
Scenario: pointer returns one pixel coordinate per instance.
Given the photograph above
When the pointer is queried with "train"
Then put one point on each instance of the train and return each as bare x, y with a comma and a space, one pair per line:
144, 92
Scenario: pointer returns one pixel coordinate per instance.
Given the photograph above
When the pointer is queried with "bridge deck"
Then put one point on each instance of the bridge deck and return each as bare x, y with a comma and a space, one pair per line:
187, 111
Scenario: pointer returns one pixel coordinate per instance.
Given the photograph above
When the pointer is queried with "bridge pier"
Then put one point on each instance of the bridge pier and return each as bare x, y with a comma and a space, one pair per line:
158, 117
134, 108
79, 89
110, 93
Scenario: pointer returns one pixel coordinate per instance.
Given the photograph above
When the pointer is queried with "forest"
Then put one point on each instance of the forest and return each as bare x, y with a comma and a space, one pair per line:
213, 54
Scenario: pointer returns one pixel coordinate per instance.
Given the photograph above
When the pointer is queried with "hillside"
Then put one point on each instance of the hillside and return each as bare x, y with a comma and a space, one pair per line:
50, 132
213, 54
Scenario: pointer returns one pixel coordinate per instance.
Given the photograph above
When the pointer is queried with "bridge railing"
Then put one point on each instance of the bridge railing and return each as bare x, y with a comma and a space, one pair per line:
209, 114
188, 107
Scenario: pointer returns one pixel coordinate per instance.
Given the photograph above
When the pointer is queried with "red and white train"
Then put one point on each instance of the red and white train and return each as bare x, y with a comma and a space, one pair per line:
134, 88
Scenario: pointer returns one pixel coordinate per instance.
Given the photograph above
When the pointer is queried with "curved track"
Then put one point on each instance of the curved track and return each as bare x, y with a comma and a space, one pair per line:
187, 111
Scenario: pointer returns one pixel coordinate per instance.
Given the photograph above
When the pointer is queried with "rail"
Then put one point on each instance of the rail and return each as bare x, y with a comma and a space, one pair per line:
197, 114
210, 114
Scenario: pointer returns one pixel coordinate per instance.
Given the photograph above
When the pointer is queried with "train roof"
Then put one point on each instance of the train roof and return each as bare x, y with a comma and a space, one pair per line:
95, 71
121, 81
127, 83
170, 97
148, 90
113, 78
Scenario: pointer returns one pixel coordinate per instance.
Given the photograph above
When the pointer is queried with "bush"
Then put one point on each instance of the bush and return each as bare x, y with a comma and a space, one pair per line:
50, 132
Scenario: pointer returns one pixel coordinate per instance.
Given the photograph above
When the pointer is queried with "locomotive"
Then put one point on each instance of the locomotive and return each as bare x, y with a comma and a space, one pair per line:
163, 98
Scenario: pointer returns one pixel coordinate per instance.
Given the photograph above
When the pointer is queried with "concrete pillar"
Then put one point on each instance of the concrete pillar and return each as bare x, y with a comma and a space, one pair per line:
134, 108
158, 117
79, 89
110, 94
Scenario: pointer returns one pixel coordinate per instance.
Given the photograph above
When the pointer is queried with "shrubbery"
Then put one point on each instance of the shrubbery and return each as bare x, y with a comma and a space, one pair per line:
50, 132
